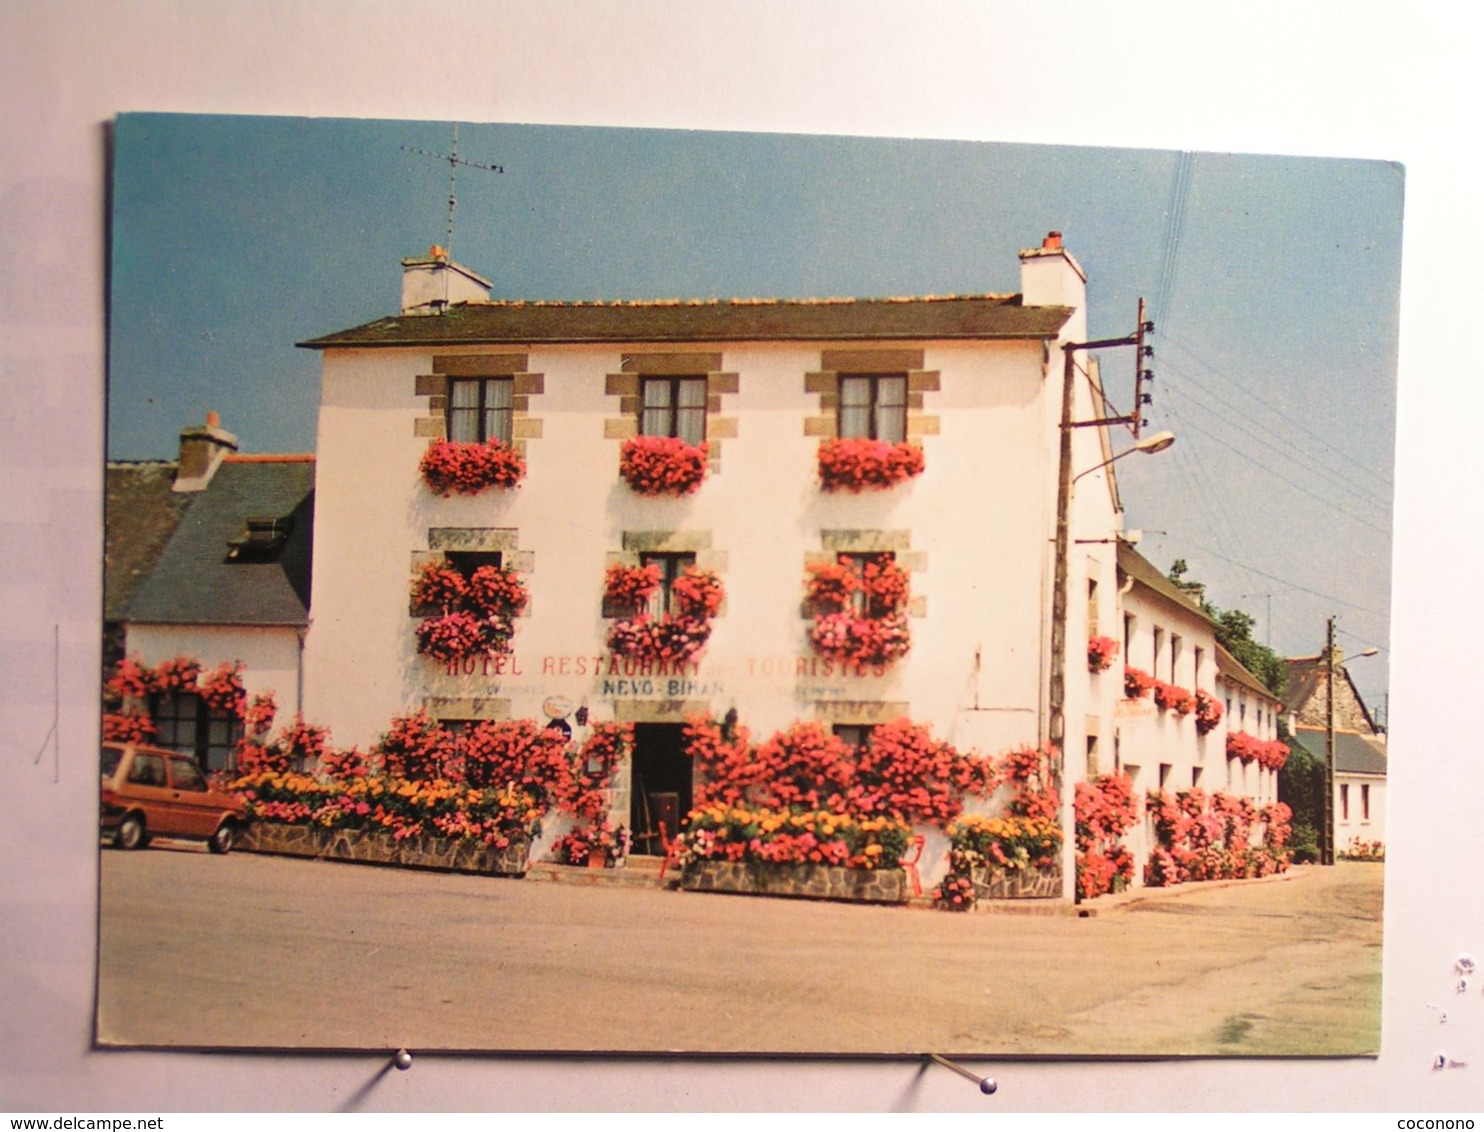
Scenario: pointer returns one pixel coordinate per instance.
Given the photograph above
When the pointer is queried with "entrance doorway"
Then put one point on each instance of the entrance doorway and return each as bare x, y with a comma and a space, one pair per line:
661, 785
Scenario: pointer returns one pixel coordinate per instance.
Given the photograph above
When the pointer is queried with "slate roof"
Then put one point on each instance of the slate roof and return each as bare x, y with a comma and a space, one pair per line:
1303, 684
195, 583
141, 512
1141, 570
1235, 671
715, 320
1354, 753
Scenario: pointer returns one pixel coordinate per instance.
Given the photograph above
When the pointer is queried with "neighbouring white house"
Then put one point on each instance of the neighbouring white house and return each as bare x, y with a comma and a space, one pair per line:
208, 558
1359, 748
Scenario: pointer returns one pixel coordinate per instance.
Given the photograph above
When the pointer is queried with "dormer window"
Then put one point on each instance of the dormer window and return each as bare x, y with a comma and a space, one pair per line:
261, 540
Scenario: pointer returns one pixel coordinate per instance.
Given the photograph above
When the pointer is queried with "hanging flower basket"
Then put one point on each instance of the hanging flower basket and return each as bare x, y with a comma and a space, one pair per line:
662, 465
1101, 652
859, 464
859, 614
1172, 697
697, 596
1208, 712
1136, 683
452, 467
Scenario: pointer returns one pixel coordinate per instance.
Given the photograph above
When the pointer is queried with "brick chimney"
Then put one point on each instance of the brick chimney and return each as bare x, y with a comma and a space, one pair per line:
432, 283
202, 450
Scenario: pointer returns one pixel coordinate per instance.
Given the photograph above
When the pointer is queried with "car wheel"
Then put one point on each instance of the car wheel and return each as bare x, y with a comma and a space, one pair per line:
224, 838
131, 833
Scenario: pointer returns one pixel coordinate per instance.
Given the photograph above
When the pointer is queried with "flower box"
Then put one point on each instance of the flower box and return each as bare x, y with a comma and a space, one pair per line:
377, 848
452, 467
1016, 884
859, 464
662, 465
799, 881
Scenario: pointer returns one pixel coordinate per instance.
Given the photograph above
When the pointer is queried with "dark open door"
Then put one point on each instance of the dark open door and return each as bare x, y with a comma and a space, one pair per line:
661, 784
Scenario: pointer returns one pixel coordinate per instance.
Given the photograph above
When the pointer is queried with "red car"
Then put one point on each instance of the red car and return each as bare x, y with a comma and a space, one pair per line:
148, 792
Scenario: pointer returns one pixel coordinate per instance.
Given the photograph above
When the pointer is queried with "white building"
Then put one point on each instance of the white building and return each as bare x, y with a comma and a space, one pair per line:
973, 383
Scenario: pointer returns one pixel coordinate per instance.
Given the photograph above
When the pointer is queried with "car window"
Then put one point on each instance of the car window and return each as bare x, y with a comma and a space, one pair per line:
111, 756
147, 770
184, 775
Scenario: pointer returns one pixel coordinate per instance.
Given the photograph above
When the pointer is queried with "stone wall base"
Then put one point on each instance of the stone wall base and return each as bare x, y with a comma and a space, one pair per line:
1017, 884
804, 881
376, 848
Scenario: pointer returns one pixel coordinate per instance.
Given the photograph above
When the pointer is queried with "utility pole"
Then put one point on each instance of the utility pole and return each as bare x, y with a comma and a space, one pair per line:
1327, 833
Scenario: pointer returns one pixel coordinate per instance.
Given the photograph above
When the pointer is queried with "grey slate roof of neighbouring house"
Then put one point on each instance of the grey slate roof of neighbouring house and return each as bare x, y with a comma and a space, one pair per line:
719, 320
1354, 753
1141, 570
141, 512
195, 582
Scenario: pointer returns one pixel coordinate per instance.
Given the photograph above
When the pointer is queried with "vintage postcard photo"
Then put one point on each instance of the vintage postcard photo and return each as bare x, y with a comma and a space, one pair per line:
585, 590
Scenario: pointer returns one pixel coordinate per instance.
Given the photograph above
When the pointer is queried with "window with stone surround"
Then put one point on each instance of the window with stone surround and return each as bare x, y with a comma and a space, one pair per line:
481, 409
673, 406
856, 734
671, 566
184, 723
873, 406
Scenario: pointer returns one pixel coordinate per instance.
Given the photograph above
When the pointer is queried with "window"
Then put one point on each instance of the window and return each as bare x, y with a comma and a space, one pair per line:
184, 723
856, 734
1175, 642
1195, 776
147, 770
861, 603
674, 406
1345, 802
1200, 663
1128, 632
874, 406
468, 561
261, 540
1164, 775
671, 567
480, 408
1365, 801
185, 776
1092, 606
1092, 756
1159, 647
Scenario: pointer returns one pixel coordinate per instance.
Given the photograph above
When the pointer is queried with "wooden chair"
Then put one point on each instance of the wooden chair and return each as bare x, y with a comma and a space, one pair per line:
671, 847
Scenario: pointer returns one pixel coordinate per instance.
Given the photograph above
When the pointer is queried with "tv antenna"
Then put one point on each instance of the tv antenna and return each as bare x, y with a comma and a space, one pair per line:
454, 161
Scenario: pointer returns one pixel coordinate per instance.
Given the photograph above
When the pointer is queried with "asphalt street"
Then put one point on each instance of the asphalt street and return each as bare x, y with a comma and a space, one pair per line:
250, 951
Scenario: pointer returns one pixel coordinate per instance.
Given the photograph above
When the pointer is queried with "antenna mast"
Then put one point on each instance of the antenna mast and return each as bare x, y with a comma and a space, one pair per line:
454, 161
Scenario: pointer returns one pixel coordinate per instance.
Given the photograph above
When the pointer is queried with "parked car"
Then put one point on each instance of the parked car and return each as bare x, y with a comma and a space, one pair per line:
149, 791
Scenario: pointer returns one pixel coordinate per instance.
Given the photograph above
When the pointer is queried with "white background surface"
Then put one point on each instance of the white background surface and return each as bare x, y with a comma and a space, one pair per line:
1393, 82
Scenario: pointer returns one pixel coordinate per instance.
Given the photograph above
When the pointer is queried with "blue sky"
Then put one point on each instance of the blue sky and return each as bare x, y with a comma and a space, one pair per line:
1273, 282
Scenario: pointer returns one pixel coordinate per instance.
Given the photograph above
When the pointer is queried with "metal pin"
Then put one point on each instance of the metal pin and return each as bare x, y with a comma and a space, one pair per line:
986, 1085
402, 1059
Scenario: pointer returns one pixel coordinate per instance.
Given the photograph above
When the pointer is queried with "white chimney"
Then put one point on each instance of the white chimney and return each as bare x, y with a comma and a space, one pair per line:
431, 283
1050, 277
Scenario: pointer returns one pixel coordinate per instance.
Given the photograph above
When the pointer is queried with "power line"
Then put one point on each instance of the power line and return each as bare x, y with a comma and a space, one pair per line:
1280, 413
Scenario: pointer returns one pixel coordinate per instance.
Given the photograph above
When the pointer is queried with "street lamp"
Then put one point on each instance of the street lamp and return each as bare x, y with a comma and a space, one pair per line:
1158, 442
1327, 847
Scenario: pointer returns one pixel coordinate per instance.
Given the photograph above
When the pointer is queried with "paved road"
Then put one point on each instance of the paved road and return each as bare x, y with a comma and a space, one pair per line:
249, 951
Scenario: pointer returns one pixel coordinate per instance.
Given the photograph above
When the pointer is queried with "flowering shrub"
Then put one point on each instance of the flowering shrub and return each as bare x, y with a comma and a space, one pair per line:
679, 635
1136, 683
726, 769
1007, 843
466, 468
404, 809
1101, 652
1030, 775
1269, 753
222, 689
860, 464
127, 727
1172, 697
472, 616
859, 611
768, 836
1360, 850
415, 748
1105, 810
1201, 838
662, 465
1208, 712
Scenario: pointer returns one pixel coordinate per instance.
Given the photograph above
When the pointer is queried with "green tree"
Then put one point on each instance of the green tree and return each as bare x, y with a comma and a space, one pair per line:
1234, 631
